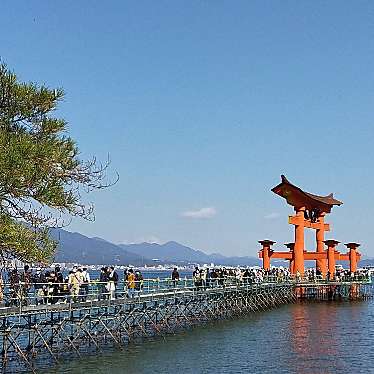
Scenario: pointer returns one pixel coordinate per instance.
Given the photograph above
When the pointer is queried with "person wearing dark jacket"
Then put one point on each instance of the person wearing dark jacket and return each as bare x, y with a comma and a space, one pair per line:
138, 282
175, 277
26, 281
14, 280
103, 284
58, 281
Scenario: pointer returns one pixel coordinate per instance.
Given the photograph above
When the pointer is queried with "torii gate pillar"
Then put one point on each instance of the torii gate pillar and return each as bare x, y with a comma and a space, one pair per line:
320, 237
291, 248
331, 244
298, 260
266, 253
352, 256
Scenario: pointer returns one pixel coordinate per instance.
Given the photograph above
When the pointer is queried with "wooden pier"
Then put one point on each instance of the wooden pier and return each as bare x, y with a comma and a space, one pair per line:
32, 337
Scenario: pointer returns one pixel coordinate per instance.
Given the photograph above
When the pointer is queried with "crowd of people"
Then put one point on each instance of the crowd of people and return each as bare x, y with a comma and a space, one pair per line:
53, 286
338, 276
206, 277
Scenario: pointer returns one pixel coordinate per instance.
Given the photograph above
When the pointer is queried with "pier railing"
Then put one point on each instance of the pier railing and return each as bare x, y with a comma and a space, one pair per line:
23, 294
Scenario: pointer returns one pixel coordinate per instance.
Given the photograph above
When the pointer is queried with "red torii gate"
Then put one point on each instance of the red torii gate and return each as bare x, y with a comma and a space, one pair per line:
310, 211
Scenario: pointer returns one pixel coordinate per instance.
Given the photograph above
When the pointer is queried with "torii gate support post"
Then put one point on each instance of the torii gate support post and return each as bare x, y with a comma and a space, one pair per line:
291, 247
352, 256
331, 244
266, 253
320, 237
299, 241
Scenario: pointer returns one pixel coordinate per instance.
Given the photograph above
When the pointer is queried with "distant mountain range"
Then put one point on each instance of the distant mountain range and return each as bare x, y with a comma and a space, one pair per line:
77, 248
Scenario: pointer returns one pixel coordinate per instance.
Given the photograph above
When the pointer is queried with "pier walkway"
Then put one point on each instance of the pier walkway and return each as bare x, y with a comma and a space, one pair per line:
31, 336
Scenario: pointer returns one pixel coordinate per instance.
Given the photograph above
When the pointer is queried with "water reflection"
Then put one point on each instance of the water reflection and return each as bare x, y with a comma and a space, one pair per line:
315, 340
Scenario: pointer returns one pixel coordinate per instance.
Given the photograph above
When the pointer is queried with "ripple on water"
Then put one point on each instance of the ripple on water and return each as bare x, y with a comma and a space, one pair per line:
302, 338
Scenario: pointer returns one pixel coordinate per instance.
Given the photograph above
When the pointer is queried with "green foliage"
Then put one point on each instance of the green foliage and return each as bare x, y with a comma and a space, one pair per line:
41, 175
26, 244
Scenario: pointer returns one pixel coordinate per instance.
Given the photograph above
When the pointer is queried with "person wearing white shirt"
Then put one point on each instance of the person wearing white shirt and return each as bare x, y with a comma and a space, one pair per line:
85, 284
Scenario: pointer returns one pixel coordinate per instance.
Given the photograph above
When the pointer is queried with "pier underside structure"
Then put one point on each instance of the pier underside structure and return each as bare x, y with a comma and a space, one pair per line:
32, 337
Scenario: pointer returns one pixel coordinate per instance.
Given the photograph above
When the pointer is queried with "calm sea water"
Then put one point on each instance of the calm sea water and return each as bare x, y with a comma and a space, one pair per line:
300, 338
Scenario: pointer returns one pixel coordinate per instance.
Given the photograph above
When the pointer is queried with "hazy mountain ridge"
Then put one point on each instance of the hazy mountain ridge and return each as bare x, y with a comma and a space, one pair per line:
75, 247
168, 251
178, 253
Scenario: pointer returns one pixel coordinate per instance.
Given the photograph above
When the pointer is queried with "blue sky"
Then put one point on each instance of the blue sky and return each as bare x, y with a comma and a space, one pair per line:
201, 106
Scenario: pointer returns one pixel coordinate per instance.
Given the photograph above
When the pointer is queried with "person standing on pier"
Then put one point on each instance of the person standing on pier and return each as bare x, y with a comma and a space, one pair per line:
80, 277
73, 282
221, 276
175, 277
318, 274
213, 278
113, 281
125, 274
51, 286
56, 278
196, 275
103, 283
298, 276
85, 284
138, 282
39, 286
59, 284
203, 278
14, 287
207, 278
26, 281
130, 284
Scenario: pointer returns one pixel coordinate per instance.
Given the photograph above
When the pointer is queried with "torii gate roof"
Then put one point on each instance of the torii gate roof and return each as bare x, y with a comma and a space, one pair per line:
296, 197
